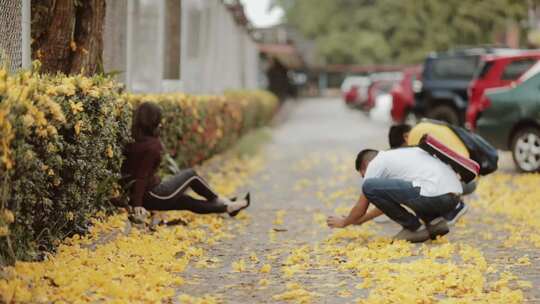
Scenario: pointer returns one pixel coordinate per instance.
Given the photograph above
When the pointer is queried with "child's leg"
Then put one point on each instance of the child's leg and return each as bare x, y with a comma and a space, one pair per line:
169, 195
184, 202
180, 182
200, 186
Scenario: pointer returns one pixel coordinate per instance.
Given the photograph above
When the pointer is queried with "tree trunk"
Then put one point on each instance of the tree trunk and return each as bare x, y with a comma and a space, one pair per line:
55, 22
68, 35
89, 38
172, 39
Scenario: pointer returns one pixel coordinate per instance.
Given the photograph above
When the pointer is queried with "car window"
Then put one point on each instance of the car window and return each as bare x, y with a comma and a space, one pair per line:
486, 67
516, 68
459, 68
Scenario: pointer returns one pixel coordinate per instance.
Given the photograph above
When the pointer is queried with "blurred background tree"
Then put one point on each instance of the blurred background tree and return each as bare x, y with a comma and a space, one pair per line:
67, 35
404, 31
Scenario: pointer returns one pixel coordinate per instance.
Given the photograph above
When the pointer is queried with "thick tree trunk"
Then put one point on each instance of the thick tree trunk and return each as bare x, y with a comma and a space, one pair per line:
89, 38
172, 39
55, 21
68, 35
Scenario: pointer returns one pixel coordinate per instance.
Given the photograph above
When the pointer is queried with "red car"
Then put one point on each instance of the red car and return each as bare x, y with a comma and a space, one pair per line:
376, 88
354, 90
403, 94
496, 71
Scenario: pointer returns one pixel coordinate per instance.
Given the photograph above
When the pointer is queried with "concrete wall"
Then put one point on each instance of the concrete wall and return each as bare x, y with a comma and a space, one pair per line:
115, 38
145, 45
217, 53
193, 46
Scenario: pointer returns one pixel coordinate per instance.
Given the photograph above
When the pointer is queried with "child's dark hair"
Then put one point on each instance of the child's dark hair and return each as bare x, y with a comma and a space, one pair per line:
146, 120
395, 135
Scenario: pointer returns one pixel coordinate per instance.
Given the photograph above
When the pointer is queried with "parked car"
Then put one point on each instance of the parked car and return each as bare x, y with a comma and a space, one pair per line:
376, 89
512, 120
445, 81
381, 84
403, 95
355, 89
496, 71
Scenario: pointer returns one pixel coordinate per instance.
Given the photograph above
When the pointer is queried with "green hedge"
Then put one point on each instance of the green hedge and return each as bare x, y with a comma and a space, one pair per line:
197, 127
60, 148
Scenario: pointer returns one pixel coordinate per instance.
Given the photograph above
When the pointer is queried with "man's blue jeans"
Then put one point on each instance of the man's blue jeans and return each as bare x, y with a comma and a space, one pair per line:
388, 195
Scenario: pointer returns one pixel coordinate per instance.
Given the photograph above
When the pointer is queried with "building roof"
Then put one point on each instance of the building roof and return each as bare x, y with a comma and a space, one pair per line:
287, 54
360, 69
236, 8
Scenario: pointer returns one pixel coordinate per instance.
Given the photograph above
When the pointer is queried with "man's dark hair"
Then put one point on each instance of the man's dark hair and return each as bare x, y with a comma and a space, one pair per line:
395, 135
363, 157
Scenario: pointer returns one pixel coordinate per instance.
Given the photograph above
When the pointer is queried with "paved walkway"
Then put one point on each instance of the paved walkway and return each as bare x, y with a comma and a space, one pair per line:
309, 173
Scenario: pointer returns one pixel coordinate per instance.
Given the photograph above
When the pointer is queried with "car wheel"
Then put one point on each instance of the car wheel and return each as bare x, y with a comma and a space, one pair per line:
526, 149
444, 113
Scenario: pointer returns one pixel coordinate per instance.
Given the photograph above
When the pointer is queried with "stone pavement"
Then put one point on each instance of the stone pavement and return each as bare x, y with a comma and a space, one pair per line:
309, 174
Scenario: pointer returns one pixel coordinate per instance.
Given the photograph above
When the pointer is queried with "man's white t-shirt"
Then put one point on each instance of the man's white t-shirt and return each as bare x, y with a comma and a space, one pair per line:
418, 167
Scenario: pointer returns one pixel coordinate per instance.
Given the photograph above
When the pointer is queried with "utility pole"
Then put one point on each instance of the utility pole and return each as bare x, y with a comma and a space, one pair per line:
25, 33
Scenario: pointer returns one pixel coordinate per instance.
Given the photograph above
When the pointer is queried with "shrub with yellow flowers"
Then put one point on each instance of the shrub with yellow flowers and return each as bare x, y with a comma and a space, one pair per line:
61, 156
61, 143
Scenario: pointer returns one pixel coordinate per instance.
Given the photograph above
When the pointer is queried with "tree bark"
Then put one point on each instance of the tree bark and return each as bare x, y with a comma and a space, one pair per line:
68, 35
87, 59
172, 39
52, 45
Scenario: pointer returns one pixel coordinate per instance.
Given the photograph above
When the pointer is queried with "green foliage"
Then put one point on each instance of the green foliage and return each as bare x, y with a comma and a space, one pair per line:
197, 127
404, 31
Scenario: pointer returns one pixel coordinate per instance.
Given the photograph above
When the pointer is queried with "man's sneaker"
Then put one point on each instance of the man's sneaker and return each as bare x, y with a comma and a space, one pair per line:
418, 236
437, 227
453, 216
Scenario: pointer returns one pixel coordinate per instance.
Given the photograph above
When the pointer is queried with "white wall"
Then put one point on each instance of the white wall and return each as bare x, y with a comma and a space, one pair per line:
114, 38
217, 54
145, 46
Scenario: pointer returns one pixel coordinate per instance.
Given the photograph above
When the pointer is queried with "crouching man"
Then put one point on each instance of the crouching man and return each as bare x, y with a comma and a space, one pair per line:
405, 177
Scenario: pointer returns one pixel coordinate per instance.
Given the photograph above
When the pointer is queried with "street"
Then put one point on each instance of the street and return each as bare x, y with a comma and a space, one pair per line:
309, 174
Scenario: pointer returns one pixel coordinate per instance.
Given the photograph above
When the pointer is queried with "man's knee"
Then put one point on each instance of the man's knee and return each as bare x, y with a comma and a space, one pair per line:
370, 187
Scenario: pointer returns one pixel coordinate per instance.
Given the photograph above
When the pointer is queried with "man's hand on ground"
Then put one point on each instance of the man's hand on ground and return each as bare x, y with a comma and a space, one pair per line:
335, 221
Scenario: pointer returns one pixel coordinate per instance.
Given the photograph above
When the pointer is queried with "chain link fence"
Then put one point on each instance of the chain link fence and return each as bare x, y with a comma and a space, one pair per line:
11, 34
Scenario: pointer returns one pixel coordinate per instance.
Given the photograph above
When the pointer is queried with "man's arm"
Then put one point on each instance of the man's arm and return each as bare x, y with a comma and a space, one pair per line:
356, 214
371, 214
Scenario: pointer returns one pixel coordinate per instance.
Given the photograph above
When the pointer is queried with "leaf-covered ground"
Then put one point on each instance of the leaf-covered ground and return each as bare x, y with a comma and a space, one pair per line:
281, 251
